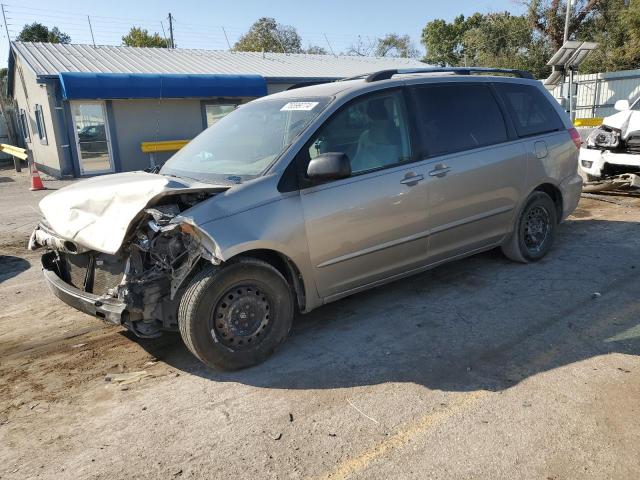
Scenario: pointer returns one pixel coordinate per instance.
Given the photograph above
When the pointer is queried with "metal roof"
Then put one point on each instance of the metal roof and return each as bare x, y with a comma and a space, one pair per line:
50, 59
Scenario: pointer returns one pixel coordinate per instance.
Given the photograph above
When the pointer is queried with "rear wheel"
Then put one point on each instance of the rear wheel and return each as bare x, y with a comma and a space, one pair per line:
534, 230
235, 316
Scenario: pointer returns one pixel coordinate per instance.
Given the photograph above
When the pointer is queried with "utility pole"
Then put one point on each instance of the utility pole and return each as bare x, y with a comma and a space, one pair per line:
226, 38
567, 20
330, 47
173, 45
91, 30
6, 27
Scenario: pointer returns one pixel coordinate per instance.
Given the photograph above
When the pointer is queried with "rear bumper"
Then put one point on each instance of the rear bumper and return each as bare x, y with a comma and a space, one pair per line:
109, 309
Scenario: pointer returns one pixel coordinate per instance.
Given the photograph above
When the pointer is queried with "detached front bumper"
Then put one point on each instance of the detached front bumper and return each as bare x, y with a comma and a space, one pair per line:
110, 309
593, 161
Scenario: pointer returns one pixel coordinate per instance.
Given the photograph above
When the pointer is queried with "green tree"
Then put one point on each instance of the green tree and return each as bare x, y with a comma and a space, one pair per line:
506, 41
528, 41
139, 37
269, 36
616, 28
443, 41
316, 50
547, 17
394, 45
37, 32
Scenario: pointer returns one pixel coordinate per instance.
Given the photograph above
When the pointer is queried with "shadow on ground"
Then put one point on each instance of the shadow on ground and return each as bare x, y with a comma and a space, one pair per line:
479, 323
10, 266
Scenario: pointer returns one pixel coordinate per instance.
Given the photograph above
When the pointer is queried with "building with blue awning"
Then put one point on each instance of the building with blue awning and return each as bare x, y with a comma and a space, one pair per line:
85, 110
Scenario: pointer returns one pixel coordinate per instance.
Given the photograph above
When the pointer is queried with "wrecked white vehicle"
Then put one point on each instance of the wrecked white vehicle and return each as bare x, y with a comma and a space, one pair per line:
614, 148
304, 197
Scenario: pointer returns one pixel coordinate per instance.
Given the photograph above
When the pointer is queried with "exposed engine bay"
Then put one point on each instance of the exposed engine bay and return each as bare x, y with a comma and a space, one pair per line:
138, 285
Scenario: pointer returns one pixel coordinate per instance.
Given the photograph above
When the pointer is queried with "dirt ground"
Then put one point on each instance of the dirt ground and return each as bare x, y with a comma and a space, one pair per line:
478, 369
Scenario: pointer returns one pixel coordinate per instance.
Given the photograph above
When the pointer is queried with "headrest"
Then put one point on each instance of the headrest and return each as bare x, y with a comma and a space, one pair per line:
377, 109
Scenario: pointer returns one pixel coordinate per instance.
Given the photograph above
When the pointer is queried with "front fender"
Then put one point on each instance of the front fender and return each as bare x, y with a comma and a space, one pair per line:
277, 226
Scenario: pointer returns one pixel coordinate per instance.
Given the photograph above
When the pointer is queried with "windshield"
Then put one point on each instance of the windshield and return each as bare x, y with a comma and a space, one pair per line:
244, 143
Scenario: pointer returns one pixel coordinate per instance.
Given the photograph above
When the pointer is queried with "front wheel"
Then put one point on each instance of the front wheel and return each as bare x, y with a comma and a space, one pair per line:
534, 231
235, 316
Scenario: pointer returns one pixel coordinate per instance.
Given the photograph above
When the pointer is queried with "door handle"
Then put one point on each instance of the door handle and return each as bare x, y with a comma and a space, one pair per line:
411, 179
440, 170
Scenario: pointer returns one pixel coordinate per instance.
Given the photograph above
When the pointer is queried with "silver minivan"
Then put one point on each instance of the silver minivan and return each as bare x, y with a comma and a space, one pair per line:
298, 199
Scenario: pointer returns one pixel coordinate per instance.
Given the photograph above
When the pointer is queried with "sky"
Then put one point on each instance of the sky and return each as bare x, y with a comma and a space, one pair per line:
203, 24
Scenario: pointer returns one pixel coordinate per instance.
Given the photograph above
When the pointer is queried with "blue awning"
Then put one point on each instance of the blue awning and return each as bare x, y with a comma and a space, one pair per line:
89, 86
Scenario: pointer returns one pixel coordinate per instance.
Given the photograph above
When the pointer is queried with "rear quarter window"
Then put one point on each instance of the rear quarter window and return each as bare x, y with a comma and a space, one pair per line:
531, 111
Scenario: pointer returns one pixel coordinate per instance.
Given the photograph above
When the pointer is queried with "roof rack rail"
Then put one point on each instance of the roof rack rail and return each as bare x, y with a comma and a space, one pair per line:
387, 74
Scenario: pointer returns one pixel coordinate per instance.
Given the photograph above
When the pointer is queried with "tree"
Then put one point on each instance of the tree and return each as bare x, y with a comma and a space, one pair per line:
617, 30
139, 37
37, 32
269, 36
548, 17
504, 40
528, 41
391, 45
362, 48
316, 50
444, 41
394, 45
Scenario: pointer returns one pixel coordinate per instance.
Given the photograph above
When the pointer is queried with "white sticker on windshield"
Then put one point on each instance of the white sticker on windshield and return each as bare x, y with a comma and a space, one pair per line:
304, 106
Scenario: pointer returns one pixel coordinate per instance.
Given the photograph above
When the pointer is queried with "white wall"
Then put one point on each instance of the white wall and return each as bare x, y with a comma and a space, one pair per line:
28, 93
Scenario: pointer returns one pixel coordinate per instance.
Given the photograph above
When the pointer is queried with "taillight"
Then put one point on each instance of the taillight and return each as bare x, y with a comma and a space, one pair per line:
575, 136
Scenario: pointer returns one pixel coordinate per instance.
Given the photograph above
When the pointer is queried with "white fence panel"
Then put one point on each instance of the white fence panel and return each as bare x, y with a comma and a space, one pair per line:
597, 92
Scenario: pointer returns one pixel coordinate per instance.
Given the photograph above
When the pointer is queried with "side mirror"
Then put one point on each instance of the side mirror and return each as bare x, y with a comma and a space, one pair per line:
622, 105
329, 166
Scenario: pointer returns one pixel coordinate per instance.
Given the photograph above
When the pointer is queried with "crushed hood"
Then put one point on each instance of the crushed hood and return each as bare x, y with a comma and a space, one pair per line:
96, 213
627, 122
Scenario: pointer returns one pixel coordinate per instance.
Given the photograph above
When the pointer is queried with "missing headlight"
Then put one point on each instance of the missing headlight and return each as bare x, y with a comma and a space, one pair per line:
603, 137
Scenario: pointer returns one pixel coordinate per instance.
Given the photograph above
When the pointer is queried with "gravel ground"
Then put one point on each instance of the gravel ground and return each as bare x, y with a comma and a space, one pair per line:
478, 369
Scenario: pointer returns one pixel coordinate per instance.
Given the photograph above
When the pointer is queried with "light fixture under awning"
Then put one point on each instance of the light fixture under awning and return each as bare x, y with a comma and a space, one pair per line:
106, 86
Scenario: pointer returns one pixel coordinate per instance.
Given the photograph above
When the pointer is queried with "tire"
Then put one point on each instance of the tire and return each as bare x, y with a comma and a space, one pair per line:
539, 215
253, 308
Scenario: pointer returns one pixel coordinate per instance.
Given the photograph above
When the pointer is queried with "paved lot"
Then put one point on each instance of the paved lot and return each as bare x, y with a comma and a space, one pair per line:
478, 369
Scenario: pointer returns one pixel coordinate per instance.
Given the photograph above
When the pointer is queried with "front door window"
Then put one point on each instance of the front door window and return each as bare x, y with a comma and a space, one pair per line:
92, 137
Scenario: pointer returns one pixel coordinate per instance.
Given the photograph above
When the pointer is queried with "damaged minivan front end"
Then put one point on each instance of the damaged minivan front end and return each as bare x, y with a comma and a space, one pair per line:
128, 269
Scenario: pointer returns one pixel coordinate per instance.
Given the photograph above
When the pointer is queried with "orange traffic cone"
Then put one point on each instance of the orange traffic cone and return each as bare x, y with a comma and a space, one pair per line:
36, 181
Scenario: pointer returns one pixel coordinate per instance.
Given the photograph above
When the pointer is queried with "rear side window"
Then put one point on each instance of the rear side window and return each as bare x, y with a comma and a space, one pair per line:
531, 111
457, 117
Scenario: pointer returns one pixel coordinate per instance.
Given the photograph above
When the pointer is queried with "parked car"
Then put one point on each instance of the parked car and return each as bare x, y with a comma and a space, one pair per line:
614, 147
303, 197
